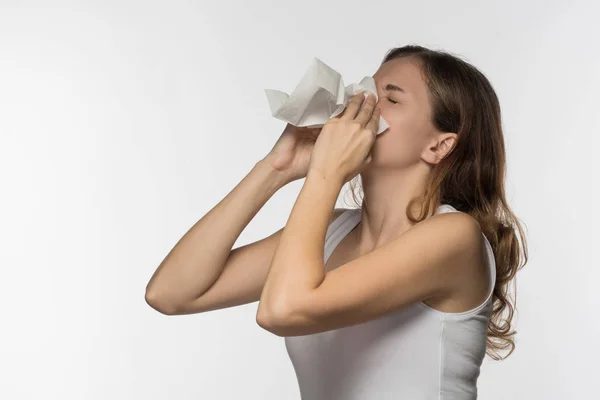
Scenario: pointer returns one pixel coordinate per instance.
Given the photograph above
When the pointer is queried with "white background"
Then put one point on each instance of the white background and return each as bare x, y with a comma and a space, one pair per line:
124, 122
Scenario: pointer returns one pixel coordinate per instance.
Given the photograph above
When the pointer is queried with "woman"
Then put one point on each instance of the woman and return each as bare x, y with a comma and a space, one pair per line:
401, 297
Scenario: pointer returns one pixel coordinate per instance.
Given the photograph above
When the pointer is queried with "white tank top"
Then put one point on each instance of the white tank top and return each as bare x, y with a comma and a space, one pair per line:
415, 353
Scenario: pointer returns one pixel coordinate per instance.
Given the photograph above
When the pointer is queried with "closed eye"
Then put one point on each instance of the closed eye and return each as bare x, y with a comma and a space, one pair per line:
392, 101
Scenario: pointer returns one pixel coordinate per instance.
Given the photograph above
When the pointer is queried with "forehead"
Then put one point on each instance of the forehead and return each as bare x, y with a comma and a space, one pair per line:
404, 72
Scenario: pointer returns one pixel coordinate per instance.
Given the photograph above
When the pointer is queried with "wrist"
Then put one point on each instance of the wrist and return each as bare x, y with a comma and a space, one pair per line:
329, 176
276, 178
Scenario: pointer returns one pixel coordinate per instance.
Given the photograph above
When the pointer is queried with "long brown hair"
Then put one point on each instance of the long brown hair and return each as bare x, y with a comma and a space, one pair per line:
471, 177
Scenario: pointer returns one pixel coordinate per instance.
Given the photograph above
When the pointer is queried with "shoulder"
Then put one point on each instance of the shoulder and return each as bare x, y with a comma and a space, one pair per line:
459, 227
457, 234
458, 220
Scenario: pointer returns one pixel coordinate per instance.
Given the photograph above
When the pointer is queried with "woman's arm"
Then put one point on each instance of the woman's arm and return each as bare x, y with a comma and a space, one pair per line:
199, 257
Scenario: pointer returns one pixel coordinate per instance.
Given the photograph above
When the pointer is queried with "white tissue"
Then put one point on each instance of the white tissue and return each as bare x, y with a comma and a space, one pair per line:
319, 96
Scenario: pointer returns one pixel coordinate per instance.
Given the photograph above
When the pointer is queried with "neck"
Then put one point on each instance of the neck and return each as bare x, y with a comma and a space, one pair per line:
386, 196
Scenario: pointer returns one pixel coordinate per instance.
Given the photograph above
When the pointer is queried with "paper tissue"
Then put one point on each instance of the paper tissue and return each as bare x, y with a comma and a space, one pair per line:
319, 96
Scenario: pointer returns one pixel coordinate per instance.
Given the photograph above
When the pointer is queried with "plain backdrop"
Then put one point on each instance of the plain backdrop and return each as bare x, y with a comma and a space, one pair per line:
123, 122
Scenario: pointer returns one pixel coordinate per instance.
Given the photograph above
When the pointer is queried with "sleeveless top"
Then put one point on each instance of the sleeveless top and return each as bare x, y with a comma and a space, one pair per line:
414, 353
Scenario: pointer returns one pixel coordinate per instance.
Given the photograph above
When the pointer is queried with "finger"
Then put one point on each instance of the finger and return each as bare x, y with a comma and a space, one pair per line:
353, 106
373, 124
364, 115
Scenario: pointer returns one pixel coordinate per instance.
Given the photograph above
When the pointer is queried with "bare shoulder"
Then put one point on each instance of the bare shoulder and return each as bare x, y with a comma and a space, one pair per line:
459, 235
458, 242
459, 228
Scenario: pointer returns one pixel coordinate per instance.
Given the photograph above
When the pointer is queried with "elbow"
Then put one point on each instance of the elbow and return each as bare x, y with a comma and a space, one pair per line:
158, 303
269, 324
278, 323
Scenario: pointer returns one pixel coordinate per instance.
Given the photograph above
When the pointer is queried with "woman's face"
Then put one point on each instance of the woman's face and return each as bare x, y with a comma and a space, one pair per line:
404, 103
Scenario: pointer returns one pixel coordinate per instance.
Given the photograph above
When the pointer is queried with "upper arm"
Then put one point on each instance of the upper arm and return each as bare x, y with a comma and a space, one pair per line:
243, 276
427, 260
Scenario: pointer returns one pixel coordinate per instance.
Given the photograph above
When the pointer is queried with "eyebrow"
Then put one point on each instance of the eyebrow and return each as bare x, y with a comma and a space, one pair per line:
392, 87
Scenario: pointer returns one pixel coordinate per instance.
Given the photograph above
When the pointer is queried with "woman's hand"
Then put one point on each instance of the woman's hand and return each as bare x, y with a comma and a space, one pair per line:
343, 146
291, 154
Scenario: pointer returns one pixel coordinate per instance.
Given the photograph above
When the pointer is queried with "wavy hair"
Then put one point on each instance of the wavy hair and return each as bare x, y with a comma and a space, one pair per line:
471, 177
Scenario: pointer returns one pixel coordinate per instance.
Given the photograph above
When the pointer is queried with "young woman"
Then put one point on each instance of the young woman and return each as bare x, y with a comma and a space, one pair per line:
401, 297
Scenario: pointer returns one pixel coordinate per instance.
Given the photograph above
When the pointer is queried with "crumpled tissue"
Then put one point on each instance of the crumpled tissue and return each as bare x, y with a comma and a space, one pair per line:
319, 96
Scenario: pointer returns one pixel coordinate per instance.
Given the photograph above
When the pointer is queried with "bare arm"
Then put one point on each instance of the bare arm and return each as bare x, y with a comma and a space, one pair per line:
198, 258
202, 273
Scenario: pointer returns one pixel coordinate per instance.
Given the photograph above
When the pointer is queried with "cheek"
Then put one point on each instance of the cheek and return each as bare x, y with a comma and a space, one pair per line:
403, 125
398, 126
394, 152
400, 144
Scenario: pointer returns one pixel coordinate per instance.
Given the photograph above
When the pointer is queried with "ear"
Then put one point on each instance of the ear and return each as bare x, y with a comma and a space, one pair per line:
439, 147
